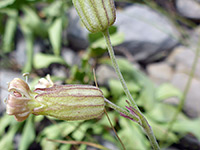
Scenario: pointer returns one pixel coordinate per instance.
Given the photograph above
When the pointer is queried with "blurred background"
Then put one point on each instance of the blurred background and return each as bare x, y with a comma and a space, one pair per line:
156, 43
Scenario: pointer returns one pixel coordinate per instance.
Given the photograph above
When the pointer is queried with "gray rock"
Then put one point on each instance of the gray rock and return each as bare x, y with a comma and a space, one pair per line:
20, 53
17, 139
59, 71
189, 8
104, 73
5, 77
171, 59
160, 72
147, 33
182, 59
192, 102
76, 32
70, 57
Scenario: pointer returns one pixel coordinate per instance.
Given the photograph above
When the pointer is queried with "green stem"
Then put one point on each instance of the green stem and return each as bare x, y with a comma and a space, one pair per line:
114, 130
144, 123
187, 87
117, 70
119, 109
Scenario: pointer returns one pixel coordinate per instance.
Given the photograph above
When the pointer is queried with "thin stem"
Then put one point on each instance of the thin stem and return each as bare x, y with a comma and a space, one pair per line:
117, 70
185, 92
119, 109
114, 130
79, 142
145, 125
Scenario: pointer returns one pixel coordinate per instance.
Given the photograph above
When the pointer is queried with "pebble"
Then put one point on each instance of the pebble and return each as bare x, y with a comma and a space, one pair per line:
189, 8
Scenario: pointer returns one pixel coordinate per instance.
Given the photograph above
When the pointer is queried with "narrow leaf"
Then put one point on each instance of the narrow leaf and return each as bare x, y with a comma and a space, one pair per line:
44, 60
166, 91
5, 3
28, 134
7, 140
55, 32
10, 29
116, 39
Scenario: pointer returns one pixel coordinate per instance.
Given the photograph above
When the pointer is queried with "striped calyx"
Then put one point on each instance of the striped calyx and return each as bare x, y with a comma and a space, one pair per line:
96, 15
65, 102
71, 102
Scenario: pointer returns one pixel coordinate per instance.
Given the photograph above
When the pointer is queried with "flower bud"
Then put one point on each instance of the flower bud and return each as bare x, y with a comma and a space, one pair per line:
45, 82
65, 102
96, 15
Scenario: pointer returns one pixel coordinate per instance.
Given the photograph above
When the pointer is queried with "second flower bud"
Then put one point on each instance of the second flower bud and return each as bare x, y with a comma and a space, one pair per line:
96, 15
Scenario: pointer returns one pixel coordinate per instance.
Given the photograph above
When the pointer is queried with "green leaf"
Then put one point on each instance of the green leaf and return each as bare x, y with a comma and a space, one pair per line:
9, 33
6, 141
116, 39
28, 134
147, 96
79, 134
132, 135
29, 47
44, 60
105, 91
83, 147
109, 137
71, 126
53, 131
117, 89
163, 112
38, 118
56, 131
128, 70
188, 126
147, 90
48, 145
33, 21
5, 3
104, 120
65, 147
54, 9
55, 34
92, 37
97, 129
166, 91
136, 82
160, 132
5, 120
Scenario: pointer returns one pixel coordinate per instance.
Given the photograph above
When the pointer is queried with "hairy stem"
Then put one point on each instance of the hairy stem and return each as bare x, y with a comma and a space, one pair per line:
119, 109
117, 70
114, 130
145, 125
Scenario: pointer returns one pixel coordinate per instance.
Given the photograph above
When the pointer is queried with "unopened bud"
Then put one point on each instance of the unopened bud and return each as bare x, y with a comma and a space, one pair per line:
96, 15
